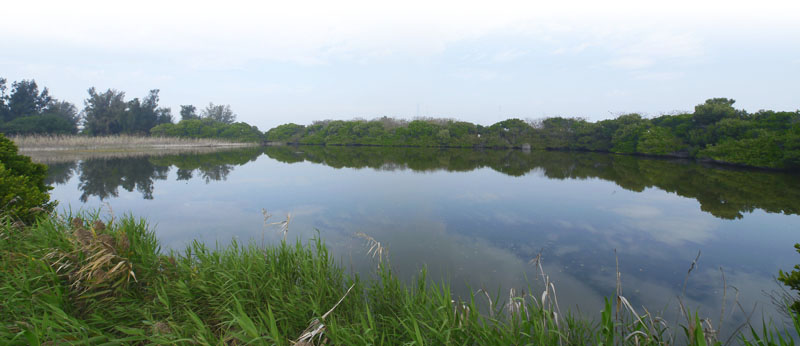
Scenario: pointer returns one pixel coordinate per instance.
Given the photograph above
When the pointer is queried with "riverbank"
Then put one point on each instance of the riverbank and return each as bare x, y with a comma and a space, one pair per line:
75, 279
116, 143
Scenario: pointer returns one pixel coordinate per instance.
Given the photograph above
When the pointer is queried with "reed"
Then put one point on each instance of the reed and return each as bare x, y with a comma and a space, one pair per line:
72, 279
84, 143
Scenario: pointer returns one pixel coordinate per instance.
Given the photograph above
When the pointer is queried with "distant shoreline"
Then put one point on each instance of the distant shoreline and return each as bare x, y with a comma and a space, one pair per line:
116, 143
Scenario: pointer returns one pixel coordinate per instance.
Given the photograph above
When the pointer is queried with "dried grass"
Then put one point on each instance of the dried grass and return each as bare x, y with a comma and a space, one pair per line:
83, 143
97, 265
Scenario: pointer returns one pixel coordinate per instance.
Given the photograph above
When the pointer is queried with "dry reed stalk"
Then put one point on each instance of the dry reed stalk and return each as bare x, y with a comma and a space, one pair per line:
549, 299
100, 263
316, 328
691, 267
283, 226
491, 303
463, 317
375, 247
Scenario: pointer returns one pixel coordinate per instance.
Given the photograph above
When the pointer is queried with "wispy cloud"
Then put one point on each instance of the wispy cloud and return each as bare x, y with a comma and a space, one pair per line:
632, 62
659, 76
478, 74
668, 229
509, 55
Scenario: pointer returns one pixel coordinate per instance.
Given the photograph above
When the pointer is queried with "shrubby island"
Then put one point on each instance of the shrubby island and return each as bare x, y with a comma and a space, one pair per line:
715, 131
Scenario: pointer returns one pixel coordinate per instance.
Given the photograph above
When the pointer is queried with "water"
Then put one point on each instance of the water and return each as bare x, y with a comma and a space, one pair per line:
476, 218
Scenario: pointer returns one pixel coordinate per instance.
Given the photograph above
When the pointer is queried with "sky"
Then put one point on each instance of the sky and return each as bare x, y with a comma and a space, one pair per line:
276, 62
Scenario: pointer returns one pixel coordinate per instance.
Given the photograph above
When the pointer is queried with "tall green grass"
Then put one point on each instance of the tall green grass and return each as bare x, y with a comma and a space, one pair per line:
76, 280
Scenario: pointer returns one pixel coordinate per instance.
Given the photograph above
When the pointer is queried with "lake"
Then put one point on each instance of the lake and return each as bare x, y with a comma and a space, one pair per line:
476, 218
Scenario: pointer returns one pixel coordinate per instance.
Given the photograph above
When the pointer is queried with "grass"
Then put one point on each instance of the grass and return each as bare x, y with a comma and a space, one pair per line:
73, 279
105, 143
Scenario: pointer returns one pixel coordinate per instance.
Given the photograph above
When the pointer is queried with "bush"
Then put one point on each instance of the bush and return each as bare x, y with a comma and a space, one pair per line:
792, 280
207, 128
23, 193
40, 124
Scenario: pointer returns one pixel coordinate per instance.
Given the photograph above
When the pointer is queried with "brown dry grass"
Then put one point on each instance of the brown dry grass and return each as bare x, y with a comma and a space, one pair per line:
122, 142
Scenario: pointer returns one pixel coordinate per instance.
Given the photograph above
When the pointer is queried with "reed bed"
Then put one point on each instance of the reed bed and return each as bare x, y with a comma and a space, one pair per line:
73, 279
121, 142
64, 156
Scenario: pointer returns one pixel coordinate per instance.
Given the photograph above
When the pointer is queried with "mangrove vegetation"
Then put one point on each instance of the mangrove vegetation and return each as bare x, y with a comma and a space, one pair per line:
715, 131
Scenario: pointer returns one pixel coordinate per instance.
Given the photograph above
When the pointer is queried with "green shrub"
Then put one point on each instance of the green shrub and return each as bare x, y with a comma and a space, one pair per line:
40, 124
792, 280
23, 192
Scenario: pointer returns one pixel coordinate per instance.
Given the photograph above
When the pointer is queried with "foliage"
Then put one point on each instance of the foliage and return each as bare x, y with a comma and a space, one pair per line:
108, 113
27, 111
219, 113
23, 193
189, 112
715, 131
792, 280
25, 99
209, 128
50, 124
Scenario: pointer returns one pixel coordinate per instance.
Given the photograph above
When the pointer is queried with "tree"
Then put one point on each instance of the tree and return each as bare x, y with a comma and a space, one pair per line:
142, 115
103, 112
189, 112
221, 113
25, 99
713, 110
164, 115
3, 102
23, 192
64, 110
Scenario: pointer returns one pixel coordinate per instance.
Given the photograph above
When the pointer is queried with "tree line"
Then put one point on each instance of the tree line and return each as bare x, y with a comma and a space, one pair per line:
715, 131
25, 110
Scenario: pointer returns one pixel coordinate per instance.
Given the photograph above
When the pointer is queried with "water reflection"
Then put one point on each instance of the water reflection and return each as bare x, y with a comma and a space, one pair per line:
102, 177
476, 218
724, 192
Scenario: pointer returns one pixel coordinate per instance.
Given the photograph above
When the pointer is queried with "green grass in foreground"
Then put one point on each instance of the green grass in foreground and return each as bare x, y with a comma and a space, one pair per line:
66, 280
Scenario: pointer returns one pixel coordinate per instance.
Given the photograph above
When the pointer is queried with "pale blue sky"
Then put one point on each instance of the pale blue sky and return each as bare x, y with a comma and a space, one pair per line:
482, 62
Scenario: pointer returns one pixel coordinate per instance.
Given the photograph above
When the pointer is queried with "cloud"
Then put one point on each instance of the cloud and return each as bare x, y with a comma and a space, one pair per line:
632, 62
670, 229
316, 32
478, 74
509, 55
659, 76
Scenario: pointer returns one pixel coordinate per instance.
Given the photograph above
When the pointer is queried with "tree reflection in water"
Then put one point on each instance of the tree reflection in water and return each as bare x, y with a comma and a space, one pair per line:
722, 191
102, 177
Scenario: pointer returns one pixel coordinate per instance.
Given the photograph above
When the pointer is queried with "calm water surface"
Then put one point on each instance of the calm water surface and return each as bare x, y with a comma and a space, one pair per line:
476, 218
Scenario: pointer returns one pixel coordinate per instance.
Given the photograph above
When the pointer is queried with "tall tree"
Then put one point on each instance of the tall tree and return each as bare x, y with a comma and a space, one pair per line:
65, 110
713, 110
221, 113
189, 112
164, 115
103, 112
142, 115
3, 100
25, 99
